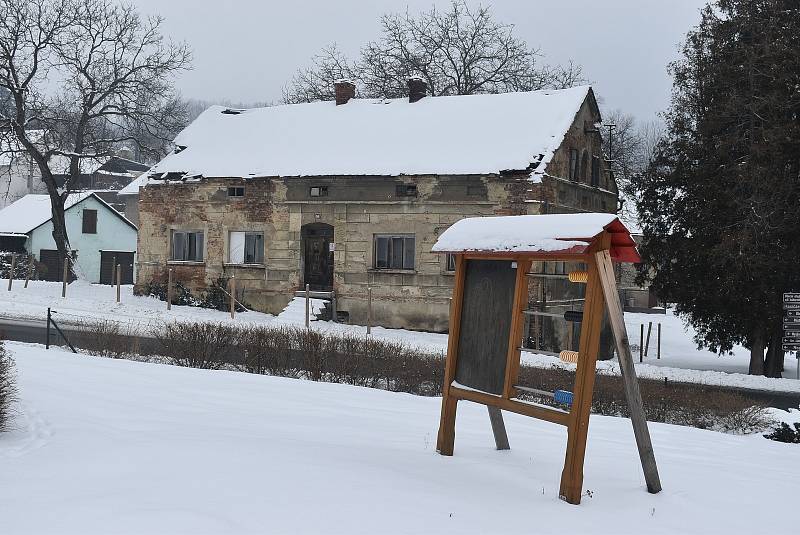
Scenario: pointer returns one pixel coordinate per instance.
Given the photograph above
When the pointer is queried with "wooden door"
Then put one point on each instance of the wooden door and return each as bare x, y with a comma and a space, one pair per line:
108, 262
318, 256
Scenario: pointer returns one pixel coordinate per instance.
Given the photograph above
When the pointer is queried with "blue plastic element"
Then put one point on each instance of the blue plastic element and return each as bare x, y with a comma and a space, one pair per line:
562, 396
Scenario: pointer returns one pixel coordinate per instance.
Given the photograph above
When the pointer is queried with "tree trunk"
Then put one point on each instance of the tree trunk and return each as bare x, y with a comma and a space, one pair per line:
757, 355
773, 365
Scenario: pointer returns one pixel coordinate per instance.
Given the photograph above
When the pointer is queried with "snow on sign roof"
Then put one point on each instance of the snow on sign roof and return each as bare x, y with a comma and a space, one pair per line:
468, 134
31, 211
557, 233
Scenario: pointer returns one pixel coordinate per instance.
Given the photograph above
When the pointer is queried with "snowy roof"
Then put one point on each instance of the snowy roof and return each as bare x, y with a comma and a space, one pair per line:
556, 233
135, 184
31, 211
467, 134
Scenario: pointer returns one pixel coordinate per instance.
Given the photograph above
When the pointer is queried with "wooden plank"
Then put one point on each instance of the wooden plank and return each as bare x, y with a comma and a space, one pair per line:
447, 420
577, 431
498, 428
628, 371
515, 332
546, 257
526, 409
487, 317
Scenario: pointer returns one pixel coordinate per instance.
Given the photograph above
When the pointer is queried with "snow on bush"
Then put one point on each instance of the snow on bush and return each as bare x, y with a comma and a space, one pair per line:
8, 389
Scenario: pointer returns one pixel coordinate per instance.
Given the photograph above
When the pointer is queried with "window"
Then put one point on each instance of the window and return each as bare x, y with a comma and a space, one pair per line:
595, 171
450, 262
90, 222
246, 248
236, 191
406, 190
573, 164
585, 167
394, 251
476, 191
318, 191
187, 245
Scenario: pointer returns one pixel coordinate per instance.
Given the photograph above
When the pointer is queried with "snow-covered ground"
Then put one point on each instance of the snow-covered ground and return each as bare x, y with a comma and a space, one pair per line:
680, 358
114, 446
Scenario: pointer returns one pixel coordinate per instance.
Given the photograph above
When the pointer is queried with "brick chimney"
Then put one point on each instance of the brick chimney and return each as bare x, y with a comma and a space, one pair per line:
344, 91
417, 88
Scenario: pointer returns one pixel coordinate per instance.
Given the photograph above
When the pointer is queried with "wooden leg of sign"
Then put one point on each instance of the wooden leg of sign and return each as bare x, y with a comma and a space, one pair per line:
578, 428
447, 421
628, 371
498, 428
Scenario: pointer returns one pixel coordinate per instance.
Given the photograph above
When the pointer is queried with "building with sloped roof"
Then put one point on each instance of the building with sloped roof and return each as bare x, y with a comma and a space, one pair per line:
100, 237
350, 195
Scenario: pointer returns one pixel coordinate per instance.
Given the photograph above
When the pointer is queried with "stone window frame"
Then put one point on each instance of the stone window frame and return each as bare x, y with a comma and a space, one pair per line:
262, 232
171, 249
573, 164
236, 192
373, 266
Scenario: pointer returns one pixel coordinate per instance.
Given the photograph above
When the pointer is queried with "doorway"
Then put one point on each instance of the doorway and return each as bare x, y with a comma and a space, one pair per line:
108, 263
316, 242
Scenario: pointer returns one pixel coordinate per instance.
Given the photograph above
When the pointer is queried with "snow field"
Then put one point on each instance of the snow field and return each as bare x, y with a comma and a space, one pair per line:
115, 446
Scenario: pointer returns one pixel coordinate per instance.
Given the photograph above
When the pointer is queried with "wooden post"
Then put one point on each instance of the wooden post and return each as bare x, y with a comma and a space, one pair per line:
65, 276
233, 298
647, 340
119, 280
628, 371
169, 289
641, 342
369, 309
578, 427
447, 421
498, 428
658, 346
308, 322
11, 273
571, 331
30, 272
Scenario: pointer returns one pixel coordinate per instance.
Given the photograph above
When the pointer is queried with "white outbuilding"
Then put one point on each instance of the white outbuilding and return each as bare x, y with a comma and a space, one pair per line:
100, 237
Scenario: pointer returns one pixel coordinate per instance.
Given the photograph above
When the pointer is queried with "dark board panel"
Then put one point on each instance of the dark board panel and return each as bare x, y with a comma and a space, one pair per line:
485, 323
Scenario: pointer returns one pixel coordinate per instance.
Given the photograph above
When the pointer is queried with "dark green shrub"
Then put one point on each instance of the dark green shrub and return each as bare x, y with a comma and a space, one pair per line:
784, 433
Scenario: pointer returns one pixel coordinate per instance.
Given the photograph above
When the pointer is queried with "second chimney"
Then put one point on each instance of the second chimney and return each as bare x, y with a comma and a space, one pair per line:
417, 88
344, 90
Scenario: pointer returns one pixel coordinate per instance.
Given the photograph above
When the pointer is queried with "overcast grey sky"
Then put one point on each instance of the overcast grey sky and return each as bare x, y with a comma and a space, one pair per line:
246, 51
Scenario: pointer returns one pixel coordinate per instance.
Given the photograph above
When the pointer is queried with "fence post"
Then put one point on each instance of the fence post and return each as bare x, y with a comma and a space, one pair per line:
233, 298
169, 290
647, 341
119, 279
11, 273
369, 309
641, 342
658, 351
47, 338
307, 303
30, 271
65, 277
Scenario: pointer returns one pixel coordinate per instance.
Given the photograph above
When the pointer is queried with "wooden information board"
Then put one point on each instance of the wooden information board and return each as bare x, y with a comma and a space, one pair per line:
485, 321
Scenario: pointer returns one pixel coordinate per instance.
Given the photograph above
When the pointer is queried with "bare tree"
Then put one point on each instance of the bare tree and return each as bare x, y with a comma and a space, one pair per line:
460, 51
83, 77
629, 146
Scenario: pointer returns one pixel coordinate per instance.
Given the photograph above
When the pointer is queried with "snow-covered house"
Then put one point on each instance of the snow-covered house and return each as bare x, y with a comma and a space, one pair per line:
352, 194
99, 235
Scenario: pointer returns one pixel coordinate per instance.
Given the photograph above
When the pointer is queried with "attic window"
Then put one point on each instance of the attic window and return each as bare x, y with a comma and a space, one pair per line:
406, 190
179, 149
231, 111
318, 191
236, 191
